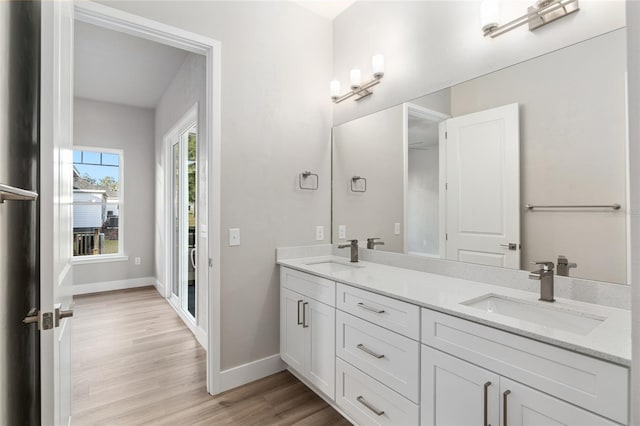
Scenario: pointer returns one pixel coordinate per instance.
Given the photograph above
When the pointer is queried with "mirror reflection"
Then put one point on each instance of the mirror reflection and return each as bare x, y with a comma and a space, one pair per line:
449, 175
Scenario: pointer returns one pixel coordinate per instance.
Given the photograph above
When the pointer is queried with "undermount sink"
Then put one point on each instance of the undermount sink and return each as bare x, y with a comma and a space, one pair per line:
540, 313
332, 266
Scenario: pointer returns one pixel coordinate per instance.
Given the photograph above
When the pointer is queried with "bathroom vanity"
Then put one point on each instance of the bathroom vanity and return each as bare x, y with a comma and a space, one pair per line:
392, 346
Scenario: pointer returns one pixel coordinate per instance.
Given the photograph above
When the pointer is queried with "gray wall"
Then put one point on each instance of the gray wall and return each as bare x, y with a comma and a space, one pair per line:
572, 147
107, 125
633, 63
371, 147
429, 45
276, 121
187, 88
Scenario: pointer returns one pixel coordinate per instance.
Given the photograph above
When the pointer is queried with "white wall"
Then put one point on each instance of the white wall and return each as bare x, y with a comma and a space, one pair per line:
633, 64
276, 121
429, 45
107, 125
187, 88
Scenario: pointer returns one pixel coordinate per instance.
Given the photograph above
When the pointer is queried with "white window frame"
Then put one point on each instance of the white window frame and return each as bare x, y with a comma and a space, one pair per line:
111, 257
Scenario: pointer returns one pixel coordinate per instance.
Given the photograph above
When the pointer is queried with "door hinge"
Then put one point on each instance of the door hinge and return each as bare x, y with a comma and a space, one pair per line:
446, 237
446, 186
446, 135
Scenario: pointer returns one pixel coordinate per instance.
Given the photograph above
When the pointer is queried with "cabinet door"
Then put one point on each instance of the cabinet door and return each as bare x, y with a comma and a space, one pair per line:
455, 392
320, 345
292, 341
523, 406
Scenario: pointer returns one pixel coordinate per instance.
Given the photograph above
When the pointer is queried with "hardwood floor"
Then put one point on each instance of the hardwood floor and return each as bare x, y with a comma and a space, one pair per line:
135, 362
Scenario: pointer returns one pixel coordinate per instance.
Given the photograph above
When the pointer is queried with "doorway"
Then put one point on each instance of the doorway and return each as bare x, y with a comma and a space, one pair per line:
183, 147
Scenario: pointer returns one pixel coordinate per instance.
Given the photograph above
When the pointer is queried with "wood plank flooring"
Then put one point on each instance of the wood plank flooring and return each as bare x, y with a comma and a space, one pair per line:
135, 363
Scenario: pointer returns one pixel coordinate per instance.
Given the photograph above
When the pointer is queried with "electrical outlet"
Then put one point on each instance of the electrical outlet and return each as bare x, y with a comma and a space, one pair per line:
319, 233
136, 260
342, 232
396, 229
234, 237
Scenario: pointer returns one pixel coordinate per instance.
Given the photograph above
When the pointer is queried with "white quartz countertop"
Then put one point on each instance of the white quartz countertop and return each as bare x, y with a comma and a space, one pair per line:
609, 340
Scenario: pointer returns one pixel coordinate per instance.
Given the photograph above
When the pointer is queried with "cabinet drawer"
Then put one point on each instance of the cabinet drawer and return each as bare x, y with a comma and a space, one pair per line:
384, 355
369, 402
317, 288
401, 317
599, 386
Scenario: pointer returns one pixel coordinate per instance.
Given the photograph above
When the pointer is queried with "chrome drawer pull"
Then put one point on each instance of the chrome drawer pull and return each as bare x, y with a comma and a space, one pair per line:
369, 308
362, 401
299, 302
363, 348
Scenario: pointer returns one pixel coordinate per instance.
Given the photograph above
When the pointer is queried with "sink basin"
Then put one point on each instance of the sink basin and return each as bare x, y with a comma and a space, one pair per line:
332, 266
540, 313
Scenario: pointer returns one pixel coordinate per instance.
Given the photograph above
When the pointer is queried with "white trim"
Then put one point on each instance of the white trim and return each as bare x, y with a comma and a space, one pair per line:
99, 287
117, 20
252, 371
101, 258
188, 320
160, 288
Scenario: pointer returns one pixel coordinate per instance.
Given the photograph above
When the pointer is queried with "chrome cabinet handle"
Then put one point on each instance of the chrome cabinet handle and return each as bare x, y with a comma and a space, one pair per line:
299, 302
369, 308
364, 402
364, 349
486, 408
504, 406
304, 315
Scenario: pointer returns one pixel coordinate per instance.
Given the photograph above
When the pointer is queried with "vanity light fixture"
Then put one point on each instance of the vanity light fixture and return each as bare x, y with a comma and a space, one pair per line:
538, 15
358, 88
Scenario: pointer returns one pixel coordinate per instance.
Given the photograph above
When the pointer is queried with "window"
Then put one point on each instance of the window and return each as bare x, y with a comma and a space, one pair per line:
97, 202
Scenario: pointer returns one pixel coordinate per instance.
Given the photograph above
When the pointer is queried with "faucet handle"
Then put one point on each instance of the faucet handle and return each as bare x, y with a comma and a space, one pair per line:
546, 265
370, 240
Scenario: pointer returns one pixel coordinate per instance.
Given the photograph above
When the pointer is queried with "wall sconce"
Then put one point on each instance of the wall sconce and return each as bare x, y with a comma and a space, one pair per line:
538, 15
358, 89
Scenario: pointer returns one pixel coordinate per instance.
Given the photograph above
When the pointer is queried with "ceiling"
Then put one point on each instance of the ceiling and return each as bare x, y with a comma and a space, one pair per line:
119, 68
327, 8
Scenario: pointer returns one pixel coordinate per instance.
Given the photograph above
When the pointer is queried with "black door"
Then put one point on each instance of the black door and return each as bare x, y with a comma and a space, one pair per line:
19, 220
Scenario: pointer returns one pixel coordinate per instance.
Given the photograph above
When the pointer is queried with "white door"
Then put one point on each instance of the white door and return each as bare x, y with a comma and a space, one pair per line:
524, 406
457, 393
292, 341
483, 187
55, 207
319, 321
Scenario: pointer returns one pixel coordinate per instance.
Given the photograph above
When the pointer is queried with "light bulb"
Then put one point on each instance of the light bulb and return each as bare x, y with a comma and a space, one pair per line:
377, 63
489, 15
335, 88
356, 78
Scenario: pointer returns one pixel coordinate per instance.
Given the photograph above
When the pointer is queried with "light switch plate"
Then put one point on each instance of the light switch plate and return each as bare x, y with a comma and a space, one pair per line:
342, 232
319, 233
234, 237
396, 229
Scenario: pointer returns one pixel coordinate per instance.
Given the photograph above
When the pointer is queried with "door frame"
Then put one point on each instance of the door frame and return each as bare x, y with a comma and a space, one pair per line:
183, 124
137, 26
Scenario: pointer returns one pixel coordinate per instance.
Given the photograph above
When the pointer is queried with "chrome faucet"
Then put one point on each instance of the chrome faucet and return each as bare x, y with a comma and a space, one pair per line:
354, 249
545, 276
564, 266
372, 243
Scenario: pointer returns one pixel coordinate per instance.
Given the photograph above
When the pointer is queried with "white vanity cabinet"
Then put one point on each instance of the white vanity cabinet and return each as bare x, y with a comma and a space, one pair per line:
307, 327
530, 381
449, 383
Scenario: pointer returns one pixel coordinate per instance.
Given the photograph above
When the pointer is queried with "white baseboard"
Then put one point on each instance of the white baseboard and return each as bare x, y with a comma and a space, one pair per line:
246, 373
160, 287
113, 285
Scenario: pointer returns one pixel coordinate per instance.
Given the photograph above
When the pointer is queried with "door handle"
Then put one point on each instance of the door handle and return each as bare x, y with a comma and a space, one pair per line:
304, 315
43, 320
192, 255
504, 406
510, 246
486, 403
60, 314
299, 302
